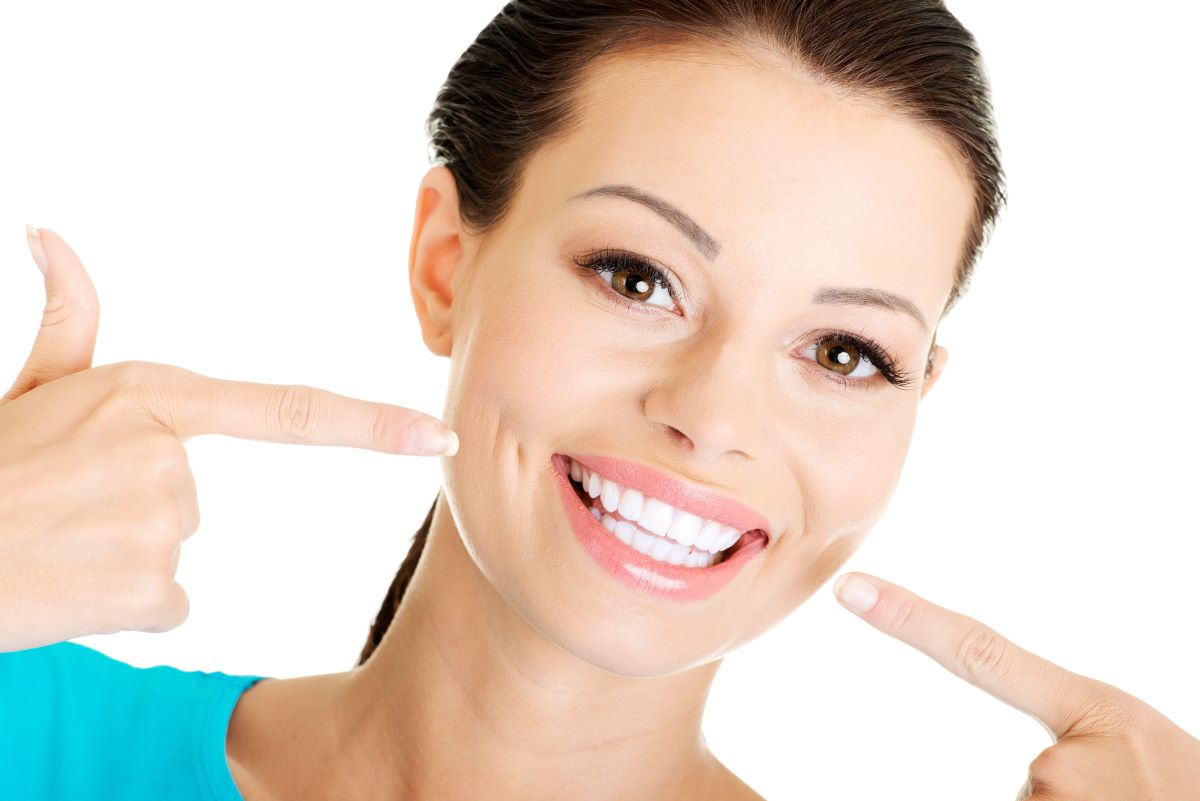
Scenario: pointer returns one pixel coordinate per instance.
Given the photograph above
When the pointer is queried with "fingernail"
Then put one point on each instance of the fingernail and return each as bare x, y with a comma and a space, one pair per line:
35, 247
856, 593
432, 438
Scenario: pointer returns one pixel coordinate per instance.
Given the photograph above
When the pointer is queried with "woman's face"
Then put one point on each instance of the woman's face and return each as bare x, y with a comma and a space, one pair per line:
746, 382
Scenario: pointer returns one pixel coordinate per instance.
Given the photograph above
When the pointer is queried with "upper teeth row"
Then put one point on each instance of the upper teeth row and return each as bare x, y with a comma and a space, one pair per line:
655, 515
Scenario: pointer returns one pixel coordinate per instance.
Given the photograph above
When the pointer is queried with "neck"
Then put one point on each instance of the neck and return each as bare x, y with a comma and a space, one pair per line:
464, 699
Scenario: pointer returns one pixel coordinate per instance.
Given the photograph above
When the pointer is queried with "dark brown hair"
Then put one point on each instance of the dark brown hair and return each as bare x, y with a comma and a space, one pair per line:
514, 89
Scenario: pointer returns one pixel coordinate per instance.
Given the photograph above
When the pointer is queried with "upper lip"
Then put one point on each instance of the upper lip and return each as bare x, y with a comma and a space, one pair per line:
689, 497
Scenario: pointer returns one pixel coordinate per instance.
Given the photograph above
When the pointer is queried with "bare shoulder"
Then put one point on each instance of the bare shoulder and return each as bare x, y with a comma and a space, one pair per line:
727, 786
273, 750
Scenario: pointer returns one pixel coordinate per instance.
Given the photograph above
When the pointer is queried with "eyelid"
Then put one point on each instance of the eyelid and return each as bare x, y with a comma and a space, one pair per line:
889, 369
592, 260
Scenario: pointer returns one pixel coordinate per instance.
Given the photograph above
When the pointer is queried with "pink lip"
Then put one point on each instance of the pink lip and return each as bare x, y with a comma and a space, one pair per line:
700, 502
639, 570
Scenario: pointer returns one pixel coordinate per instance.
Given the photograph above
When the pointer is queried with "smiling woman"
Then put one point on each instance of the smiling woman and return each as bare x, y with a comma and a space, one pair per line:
687, 262
859, 205
767, 202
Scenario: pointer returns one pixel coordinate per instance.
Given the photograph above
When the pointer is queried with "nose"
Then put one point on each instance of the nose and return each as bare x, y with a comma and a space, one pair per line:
704, 402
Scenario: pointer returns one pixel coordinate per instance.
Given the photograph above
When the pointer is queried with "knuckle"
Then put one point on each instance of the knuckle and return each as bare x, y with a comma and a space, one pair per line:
183, 609
1046, 765
1112, 711
148, 593
980, 652
162, 520
165, 457
131, 376
58, 310
385, 432
191, 509
905, 615
142, 383
296, 411
1058, 770
193, 523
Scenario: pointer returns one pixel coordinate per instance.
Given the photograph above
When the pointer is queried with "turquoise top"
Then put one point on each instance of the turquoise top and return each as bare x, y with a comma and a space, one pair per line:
77, 724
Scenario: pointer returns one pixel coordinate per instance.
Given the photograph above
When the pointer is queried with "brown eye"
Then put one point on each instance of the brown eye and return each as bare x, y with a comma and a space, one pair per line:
633, 280
633, 284
839, 356
854, 360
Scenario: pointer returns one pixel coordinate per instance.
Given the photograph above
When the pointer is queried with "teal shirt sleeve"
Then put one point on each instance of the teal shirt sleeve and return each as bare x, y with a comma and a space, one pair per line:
77, 724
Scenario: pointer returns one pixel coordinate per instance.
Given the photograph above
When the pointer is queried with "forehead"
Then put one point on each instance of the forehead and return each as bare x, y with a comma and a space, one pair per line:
776, 166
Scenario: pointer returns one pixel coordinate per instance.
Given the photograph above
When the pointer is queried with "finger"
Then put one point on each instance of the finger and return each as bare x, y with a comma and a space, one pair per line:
170, 612
190, 506
66, 339
972, 651
293, 413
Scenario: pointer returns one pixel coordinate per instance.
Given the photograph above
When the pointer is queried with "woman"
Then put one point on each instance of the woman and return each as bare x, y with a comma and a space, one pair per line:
623, 161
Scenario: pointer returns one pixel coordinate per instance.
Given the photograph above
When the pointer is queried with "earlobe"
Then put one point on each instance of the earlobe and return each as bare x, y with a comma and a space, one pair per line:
433, 256
937, 363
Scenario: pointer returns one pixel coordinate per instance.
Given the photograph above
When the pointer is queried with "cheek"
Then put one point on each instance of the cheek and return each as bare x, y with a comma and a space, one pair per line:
513, 398
855, 468
846, 469
516, 372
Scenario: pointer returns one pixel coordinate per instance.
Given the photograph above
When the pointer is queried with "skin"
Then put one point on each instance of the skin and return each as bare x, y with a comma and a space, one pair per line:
496, 652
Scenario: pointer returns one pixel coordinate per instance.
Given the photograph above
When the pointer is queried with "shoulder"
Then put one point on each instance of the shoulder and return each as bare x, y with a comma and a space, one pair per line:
74, 721
68, 681
722, 784
737, 790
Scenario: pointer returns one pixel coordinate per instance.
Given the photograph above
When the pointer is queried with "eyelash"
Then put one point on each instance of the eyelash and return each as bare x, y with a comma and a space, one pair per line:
613, 260
875, 353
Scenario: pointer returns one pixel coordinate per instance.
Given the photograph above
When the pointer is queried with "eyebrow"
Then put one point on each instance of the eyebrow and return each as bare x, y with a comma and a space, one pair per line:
703, 241
709, 248
857, 296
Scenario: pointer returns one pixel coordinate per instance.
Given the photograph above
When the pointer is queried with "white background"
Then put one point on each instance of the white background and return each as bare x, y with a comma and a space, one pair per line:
239, 180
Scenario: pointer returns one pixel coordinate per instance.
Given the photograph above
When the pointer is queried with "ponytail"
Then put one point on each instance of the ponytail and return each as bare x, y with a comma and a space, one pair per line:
395, 592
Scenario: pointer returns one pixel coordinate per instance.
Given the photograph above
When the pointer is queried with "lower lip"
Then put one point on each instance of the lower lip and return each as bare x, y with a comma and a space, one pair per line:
636, 568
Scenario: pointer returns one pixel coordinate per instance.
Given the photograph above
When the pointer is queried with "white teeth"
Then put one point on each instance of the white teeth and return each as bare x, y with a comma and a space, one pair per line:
678, 553
609, 493
708, 535
706, 538
729, 535
685, 527
643, 541
631, 503
661, 549
656, 516
655, 547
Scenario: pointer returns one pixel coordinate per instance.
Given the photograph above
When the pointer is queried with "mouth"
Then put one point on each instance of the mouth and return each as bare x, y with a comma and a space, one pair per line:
653, 527
642, 535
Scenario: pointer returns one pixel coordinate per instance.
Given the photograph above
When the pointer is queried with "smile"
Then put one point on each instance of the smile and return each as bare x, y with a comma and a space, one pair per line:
654, 533
650, 525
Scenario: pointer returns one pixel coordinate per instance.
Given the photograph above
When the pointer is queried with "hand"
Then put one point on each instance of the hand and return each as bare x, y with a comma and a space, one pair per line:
96, 496
1109, 745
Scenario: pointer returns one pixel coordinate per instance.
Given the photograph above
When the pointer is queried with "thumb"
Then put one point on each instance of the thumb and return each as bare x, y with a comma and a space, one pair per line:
67, 337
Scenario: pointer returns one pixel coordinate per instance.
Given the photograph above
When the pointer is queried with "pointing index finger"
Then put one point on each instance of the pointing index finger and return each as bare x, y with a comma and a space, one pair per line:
192, 404
1056, 697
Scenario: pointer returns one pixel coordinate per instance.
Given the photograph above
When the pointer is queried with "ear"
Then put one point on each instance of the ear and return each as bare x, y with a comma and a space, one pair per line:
434, 255
938, 363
